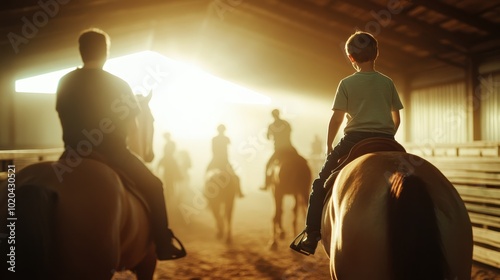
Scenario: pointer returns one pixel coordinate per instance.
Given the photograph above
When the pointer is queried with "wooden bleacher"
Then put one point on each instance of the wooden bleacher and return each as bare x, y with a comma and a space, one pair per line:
474, 169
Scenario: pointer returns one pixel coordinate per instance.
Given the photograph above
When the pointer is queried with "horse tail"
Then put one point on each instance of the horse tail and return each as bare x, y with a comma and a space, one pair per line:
28, 252
415, 241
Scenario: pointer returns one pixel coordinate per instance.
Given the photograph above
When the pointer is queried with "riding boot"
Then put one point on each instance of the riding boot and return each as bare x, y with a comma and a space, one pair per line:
238, 186
307, 241
168, 247
267, 179
266, 183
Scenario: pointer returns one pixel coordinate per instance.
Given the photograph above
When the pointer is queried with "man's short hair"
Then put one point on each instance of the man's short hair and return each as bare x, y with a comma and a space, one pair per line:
93, 44
221, 128
362, 46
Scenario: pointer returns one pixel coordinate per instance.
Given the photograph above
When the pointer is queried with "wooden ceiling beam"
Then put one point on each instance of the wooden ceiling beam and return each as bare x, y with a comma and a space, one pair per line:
292, 19
461, 15
434, 32
392, 38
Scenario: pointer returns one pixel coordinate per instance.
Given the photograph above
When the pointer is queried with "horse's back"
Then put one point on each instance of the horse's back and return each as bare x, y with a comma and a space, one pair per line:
87, 209
359, 245
90, 208
220, 185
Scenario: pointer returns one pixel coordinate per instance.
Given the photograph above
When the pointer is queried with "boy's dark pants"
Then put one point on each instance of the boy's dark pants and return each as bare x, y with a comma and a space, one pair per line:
318, 192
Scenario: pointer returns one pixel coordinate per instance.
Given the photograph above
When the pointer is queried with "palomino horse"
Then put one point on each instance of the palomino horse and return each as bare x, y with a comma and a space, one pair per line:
393, 215
220, 191
86, 225
291, 176
141, 137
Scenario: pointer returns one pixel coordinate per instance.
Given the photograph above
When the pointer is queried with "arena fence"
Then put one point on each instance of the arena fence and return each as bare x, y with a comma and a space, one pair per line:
22, 158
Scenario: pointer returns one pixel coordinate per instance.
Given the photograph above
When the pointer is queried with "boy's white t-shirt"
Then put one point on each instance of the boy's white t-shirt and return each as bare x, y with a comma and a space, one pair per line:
368, 98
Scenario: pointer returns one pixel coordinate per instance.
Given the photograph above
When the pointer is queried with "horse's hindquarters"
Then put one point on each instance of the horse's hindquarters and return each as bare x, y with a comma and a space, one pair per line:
360, 239
90, 210
89, 219
136, 242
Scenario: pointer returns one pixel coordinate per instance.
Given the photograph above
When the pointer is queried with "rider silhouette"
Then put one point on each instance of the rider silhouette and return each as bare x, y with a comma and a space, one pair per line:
168, 167
220, 158
279, 131
95, 105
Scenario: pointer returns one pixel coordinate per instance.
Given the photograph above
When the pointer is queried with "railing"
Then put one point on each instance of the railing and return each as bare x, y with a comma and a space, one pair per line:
22, 158
474, 170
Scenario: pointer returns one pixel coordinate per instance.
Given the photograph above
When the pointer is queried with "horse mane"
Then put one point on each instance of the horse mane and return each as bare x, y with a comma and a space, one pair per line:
414, 237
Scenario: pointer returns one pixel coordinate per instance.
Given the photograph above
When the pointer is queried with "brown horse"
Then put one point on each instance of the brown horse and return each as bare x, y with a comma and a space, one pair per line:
291, 176
87, 226
393, 215
220, 191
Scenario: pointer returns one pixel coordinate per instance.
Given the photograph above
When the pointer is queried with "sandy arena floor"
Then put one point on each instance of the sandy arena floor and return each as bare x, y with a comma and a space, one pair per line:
249, 255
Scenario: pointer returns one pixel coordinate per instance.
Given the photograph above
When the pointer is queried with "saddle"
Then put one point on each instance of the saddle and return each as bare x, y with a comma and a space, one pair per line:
366, 146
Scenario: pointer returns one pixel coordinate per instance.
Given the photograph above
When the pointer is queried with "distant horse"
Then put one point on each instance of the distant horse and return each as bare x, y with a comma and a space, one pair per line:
144, 129
291, 176
87, 225
220, 191
170, 174
393, 215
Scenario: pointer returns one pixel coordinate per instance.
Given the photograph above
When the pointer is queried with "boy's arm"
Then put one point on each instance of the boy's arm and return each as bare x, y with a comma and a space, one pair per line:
396, 119
333, 128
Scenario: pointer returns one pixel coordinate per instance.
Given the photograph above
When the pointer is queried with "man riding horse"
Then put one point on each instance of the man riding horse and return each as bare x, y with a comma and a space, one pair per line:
220, 157
93, 105
279, 131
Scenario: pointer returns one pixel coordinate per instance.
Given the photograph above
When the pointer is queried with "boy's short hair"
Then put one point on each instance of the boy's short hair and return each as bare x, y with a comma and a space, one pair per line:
93, 44
362, 46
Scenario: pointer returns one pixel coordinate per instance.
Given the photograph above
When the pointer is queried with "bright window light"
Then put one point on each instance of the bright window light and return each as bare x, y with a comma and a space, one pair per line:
186, 100
147, 70
45, 83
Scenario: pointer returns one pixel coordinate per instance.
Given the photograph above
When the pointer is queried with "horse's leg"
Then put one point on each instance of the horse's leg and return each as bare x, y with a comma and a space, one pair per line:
296, 209
279, 218
277, 228
146, 268
229, 218
219, 222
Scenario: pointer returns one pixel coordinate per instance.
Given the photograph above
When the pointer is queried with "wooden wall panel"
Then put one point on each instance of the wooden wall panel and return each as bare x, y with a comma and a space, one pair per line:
438, 114
490, 107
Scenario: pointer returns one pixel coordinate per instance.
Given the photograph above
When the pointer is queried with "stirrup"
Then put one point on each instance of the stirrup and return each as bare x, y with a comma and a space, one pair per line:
179, 253
175, 249
295, 245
